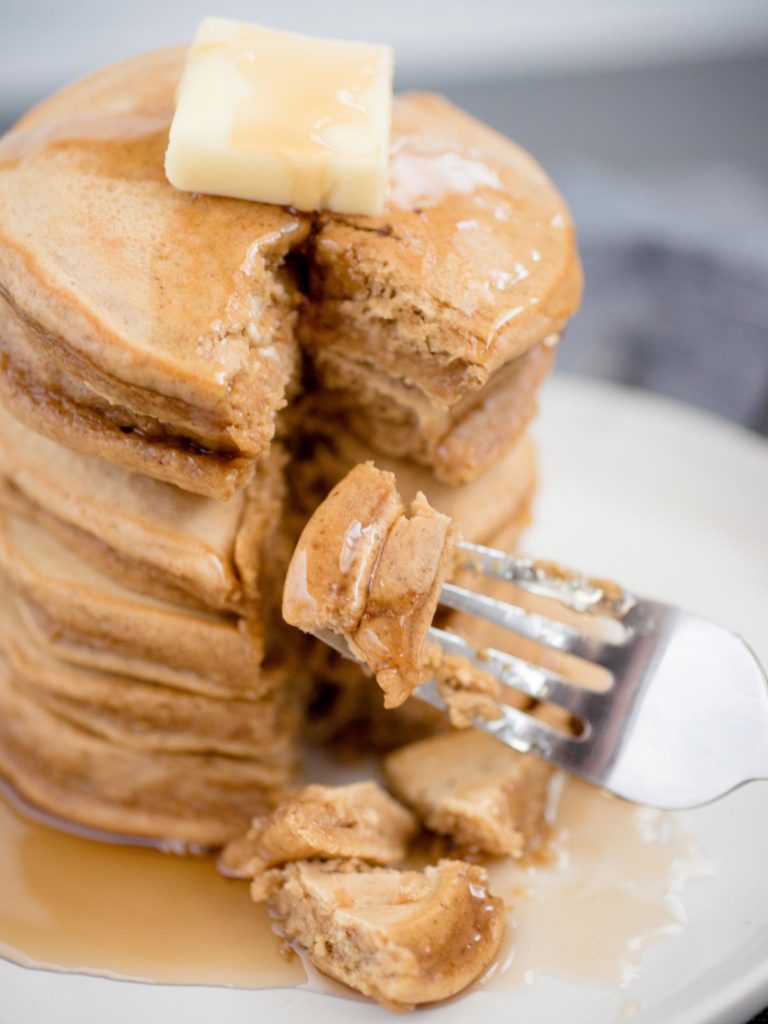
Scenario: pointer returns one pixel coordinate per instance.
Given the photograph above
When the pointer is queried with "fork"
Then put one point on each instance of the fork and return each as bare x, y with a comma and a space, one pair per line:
684, 720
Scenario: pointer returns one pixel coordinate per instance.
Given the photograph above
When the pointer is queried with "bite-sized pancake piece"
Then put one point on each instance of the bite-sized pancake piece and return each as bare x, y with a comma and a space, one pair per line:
344, 708
403, 938
88, 618
149, 716
152, 536
472, 262
367, 572
469, 692
177, 797
359, 821
328, 578
473, 788
460, 444
152, 326
402, 599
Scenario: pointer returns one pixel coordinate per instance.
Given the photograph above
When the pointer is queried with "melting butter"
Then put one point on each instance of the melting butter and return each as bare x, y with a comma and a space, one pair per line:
420, 179
283, 118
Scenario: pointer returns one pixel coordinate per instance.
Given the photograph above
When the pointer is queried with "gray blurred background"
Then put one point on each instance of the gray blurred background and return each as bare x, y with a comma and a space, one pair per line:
650, 115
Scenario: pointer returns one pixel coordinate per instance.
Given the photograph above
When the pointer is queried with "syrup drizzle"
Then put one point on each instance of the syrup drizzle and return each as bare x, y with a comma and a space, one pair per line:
608, 886
129, 911
613, 887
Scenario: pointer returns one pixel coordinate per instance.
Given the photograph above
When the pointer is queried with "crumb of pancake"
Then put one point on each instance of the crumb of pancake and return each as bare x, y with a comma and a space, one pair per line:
358, 821
469, 691
371, 574
474, 789
403, 938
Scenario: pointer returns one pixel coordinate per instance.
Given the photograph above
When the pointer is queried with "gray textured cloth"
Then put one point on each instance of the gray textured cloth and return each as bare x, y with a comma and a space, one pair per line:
676, 296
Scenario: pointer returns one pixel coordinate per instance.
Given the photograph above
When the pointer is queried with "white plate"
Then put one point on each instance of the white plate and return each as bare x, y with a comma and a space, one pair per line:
673, 503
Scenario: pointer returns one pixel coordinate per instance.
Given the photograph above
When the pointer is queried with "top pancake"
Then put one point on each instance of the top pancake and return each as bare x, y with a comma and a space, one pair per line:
472, 262
156, 328
163, 315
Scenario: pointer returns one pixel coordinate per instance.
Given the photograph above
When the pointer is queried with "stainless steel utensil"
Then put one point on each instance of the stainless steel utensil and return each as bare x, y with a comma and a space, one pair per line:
684, 719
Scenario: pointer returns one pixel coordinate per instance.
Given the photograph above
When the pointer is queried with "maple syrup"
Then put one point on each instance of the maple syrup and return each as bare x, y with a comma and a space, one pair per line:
131, 911
608, 884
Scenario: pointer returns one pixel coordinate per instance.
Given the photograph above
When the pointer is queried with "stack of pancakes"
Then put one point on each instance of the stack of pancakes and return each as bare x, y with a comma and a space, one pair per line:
183, 378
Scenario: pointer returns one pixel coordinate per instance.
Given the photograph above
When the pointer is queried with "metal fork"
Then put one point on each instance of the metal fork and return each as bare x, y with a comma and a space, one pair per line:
685, 718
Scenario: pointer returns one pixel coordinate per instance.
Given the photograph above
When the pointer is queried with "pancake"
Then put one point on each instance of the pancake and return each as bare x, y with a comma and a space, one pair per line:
481, 509
472, 262
495, 803
368, 570
174, 797
147, 716
402, 937
152, 326
158, 328
88, 618
150, 535
459, 444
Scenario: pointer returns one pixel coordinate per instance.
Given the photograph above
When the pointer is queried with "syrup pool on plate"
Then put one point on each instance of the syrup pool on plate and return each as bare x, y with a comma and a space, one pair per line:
609, 885
75, 904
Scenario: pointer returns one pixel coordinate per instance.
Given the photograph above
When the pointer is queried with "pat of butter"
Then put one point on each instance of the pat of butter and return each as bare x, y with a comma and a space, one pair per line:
282, 118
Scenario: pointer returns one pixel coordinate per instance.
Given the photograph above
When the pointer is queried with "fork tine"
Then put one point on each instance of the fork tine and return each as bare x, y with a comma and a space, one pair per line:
545, 631
581, 593
527, 734
517, 729
339, 644
533, 680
